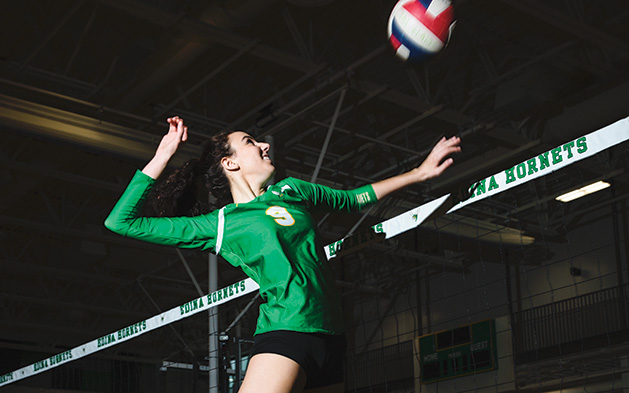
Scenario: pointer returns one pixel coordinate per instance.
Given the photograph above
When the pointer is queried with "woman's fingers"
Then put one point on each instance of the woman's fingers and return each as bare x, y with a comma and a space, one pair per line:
447, 146
172, 126
174, 123
182, 130
177, 133
177, 126
438, 161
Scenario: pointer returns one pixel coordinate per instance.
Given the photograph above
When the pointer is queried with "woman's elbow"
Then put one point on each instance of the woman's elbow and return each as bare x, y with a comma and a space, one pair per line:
114, 225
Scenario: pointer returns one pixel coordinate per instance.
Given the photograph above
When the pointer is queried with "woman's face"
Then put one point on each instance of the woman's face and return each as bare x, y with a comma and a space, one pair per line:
250, 156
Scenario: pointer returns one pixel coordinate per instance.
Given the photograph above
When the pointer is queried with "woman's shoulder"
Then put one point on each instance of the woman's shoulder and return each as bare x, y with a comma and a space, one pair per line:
292, 182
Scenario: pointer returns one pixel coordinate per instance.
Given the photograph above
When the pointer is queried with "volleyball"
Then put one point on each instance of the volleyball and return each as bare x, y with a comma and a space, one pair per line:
420, 28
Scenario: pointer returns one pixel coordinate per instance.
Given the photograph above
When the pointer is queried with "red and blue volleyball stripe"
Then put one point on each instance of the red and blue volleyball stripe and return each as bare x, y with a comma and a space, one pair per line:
420, 28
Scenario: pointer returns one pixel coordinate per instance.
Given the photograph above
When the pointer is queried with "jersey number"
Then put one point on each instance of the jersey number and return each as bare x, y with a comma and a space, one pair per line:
281, 215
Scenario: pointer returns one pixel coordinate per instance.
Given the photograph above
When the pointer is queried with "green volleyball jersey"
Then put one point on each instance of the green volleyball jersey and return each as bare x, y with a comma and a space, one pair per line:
273, 239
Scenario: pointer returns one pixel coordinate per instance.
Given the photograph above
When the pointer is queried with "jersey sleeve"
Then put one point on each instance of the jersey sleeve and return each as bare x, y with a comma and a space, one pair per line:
330, 199
186, 232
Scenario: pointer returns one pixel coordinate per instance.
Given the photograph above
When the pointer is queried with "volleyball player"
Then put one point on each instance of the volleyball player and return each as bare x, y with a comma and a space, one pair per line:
220, 203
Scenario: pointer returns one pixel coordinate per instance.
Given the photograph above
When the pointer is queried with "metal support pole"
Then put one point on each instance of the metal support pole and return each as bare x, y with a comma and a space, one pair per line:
329, 135
185, 264
365, 214
619, 265
238, 367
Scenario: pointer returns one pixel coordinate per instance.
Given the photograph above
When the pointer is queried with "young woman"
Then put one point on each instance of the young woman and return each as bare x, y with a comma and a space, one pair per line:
270, 234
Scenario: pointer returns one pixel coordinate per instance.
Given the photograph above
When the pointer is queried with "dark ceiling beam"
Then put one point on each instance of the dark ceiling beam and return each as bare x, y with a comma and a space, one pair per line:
215, 71
338, 76
401, 127
162, 71
73, 100
304, 133
514, 71
208, 32
296, 116
83, 130
79, 44
47, 37
412, 103
275, 97
190, 51
576, 28
330, 183
304, 50
367, 138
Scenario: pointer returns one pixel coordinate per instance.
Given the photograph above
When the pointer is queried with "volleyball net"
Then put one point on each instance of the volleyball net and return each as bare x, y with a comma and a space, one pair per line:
413, 300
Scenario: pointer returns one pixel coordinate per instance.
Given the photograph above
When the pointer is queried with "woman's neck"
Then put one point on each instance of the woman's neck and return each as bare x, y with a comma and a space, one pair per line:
243, 191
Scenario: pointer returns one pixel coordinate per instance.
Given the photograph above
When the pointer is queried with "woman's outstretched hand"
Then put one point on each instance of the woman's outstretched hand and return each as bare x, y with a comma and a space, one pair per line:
435, 163
437, 160
177, 134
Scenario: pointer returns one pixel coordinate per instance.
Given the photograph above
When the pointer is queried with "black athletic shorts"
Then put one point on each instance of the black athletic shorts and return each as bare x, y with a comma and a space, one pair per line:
320, 355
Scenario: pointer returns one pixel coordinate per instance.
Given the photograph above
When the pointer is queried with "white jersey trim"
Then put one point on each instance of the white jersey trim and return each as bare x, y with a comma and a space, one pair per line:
220, 230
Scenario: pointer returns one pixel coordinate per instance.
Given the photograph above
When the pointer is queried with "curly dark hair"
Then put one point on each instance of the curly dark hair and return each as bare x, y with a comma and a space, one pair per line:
198, 187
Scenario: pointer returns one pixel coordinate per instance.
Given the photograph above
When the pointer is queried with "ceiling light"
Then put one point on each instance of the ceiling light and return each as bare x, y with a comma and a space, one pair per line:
572, 195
